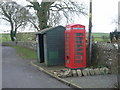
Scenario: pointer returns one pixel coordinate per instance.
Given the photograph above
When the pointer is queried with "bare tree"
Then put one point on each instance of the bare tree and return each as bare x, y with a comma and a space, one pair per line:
51, 13
33, 21
16, 15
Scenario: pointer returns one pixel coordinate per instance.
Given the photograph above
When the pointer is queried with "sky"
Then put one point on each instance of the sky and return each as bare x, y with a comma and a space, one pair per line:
103, 14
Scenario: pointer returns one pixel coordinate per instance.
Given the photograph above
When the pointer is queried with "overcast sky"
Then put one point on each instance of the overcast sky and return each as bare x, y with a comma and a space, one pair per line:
104, 13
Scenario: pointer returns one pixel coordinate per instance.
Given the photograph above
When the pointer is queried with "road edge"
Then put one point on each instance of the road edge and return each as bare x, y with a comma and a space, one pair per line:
59, 79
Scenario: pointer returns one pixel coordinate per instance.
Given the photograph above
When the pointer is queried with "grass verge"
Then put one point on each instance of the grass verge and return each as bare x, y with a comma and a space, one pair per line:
26, 53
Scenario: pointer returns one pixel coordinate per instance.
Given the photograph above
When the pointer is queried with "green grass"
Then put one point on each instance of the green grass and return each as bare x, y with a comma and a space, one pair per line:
26, 53
19, 37
100, 34
100, 37
5, 37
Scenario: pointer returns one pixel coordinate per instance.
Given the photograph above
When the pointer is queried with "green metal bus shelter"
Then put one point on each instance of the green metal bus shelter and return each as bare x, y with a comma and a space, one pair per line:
50, 47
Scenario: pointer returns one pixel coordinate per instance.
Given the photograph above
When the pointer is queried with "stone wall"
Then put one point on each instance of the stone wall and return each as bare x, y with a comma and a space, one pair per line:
28, 44
8, 43
119, 65
105, 54
28, 36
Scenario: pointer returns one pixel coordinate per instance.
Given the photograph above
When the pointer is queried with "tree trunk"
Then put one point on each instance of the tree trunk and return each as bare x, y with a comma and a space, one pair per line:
12, 32
12, 35
43, 15
15, 32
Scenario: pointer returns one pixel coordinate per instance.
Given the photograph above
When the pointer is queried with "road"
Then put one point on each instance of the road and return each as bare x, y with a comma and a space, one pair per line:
18, 73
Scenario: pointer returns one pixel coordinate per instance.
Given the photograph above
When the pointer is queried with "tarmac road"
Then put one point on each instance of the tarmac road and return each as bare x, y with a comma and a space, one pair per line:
18, 73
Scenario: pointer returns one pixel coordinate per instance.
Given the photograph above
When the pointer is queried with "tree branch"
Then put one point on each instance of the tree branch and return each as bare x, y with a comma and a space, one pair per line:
6, 19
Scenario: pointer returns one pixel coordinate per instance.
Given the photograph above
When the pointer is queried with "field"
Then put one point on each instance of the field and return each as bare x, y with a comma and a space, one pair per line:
100, 37
5, 37
100, 34
23, 53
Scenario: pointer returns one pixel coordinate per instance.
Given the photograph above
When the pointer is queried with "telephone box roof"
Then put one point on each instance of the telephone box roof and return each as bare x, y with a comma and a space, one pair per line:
71, 25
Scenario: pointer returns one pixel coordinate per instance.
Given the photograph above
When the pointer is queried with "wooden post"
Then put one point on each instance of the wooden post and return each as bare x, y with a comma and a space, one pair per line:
90, 34
118, 46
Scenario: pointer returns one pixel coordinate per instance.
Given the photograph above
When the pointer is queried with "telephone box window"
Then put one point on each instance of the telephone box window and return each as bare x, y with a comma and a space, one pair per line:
77, 61
78, 49
78, 34
67, 53
67, 38
78, 53
78, 38
67, 34
78, 45
78, 42
67, 42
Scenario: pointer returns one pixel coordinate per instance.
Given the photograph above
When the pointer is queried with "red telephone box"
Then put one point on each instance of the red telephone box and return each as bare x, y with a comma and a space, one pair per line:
75, 46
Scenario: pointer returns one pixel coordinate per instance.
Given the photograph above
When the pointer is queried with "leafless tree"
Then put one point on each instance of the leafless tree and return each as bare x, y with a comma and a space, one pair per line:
51, 13
16, 15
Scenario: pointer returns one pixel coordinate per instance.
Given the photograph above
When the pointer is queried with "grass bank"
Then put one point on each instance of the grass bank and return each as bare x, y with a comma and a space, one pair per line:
26, 53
